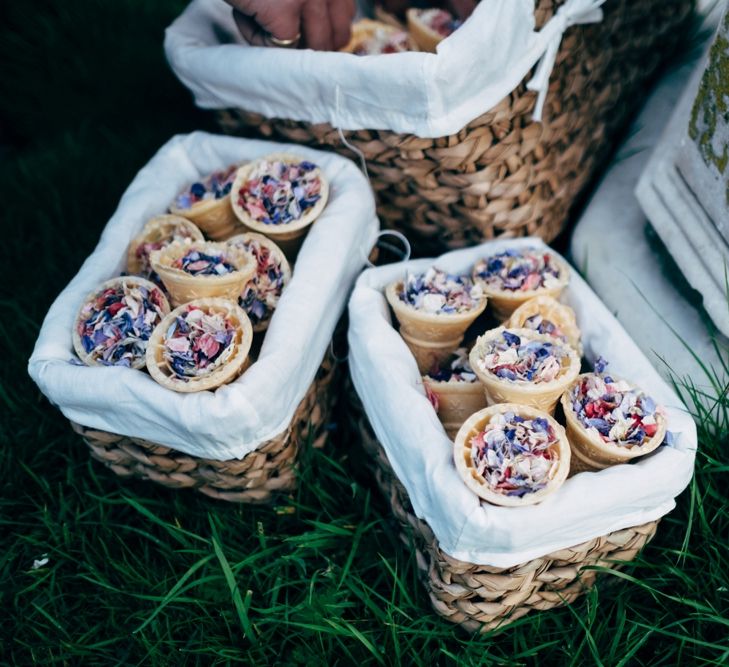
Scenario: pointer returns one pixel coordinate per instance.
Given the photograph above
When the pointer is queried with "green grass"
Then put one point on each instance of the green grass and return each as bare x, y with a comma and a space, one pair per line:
138, 574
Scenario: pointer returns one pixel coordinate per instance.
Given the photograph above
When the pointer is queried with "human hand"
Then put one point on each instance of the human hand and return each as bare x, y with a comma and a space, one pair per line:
324, 25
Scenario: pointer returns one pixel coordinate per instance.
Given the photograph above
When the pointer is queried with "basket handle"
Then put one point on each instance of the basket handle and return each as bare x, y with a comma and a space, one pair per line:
569, 14
404, 253
354, 149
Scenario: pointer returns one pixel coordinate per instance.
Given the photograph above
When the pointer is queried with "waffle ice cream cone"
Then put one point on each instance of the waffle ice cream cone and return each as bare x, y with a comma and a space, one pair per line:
212, 213
376, 37
432, 338
421, 26
222, 367
260, 296
214, 217
115, 321
455, 391
531, 479
157, 233
255, 215
590, 452
381, 15
547, 315
183, 286
505, 300
430, 353
541, 395
456, 402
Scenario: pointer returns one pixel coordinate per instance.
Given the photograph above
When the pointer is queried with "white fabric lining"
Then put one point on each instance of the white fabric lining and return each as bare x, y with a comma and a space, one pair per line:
426, 94
236, 418
587, 506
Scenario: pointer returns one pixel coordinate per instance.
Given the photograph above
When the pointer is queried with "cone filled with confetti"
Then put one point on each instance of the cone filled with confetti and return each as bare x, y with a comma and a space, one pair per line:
371, 38
454, 391
429, 27
434, 310
261, 294
610, 421
524, 367
207, 203
280, 196
200, 345
114, 323
512, 277
197, 270
546, 315
512, 455
156, 234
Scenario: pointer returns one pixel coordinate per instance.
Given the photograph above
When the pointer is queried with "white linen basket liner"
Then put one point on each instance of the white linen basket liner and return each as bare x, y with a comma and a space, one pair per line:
587, 506
426, 94
259, 405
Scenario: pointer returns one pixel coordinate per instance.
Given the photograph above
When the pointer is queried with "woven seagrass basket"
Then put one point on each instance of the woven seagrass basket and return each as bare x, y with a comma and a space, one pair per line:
257, 478
504, 173
481, 597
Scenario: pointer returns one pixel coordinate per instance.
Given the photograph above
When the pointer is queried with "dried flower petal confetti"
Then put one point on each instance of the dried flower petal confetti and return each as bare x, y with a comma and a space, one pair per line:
198, 342
215, 186
261, 295
432, 397
278, 192
518, 269
613, 409
511, 357
458, 369
542, 325
515, 455
382, 42
546, 316
198, 263
440, 21
116, 324
371, 38
438, 292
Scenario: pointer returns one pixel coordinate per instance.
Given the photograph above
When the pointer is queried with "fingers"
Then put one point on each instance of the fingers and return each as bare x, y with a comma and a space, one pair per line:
324, 25
341, 14
316, 28
282, 19
249, 29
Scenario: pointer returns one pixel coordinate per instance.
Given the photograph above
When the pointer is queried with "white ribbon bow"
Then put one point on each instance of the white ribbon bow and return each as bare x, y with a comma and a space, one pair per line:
569, 14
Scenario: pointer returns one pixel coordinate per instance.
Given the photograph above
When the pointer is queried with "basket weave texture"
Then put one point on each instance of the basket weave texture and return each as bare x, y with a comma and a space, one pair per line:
504, 173
482, 597
256, 478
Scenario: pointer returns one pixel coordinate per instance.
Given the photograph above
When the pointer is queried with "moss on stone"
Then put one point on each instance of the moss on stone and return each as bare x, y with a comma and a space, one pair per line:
710, 113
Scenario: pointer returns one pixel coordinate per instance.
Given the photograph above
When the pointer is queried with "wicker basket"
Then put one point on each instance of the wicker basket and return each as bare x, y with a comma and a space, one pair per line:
481, 597
504, 173
256, 478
